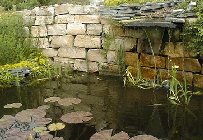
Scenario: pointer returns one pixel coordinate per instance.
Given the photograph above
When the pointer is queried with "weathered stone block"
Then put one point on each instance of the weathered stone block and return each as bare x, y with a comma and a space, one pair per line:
41, 42
81, 65
26, 12
135, 33
64, 60
131, 59
94, 29
62, 9
76, 29
57, 29
117, 31
72, 52
77, 10
44, 20
133, 70
127, 44
64, 19
96, 55
109, 69
88, 9
87, 18
62, 41
177, 50
164, 74
187, 64
202, 68
29, 20
49, 52
111, 57
86, 41
152, 61
39, 31
44, 11
198, 80
148, 73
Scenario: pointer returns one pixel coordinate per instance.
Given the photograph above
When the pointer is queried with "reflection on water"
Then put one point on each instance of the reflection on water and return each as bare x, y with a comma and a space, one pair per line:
132, 110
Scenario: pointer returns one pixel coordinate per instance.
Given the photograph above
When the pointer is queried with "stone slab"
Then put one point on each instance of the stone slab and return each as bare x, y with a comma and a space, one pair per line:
111, 57
49, 52
127, 44
44, 20
96, 55
64, 18
152, 61
72, 52
148, 73
41, 43
39, 31
76, 29
62, 41
131, 59
56, 29
94, 29
86, 41
198, 80
87, 18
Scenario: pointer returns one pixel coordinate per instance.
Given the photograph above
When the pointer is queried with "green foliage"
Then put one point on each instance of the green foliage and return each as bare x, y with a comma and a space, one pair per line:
121, 59
14, 46
117, 2
193, 32
26, 4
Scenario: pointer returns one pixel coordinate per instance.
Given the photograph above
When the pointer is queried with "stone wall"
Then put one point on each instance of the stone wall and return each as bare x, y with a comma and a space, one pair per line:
78, 36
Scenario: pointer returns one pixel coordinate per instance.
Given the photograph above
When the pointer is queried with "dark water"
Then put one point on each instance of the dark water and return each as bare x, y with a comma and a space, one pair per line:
132, 110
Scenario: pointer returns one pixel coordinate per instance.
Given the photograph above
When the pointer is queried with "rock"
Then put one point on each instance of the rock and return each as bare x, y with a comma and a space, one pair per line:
72, 52
133, 70
62, 9
198, 80
29, 20
148, 73
82, 65
131, 59
39, 31
57, 29
87, 18
44, 20
125, 43
44, 11
76, 29
111, 57
66, 61
94, 29
86, 41
41, 43
175, 20
109, 69
151, 61
187, 64
77, 10
64, 19
62, 41
49, 52
22, 72
96, 55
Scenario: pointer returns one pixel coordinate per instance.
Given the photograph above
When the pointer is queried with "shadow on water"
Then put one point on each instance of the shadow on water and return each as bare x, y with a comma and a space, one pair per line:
113, 106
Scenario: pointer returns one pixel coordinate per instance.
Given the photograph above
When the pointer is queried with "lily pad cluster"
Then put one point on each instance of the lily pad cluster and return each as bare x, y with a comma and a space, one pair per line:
27, 124
107, 135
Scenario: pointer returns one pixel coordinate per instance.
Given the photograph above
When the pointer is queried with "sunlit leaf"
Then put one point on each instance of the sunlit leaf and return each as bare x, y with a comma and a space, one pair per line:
13, 105
143, 137
52, 99
56, 126
69, 101
107, 135
77, 117
39, 129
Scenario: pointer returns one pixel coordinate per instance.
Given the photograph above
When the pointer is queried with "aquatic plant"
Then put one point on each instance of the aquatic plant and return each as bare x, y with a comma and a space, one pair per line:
178, 93
56, 127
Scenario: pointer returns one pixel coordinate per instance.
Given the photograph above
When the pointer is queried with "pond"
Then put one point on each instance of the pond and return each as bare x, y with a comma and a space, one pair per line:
132, 110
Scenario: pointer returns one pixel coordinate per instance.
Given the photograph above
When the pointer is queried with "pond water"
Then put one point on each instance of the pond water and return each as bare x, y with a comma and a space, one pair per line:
113, 106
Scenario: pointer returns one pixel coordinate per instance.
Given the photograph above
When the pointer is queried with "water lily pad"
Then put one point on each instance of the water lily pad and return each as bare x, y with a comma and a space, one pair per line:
107, 135
56, 126
13, 105
69, 101
39, 129
52, 99
44, 107
29, 114
77, 117
6, 121
143, 137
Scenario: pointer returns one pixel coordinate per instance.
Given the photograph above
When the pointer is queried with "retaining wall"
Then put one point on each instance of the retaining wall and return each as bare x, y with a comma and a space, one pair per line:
78, 36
